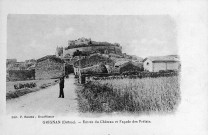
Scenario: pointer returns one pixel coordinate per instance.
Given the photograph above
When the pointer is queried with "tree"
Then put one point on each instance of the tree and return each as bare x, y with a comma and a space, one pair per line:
77, 53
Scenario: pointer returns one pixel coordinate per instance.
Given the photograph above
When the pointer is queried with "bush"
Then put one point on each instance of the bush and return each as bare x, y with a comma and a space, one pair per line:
26, 85
43, 86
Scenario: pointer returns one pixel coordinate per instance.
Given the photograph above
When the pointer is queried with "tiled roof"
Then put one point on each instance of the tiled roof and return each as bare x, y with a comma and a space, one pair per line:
51, 57
119, 63
162, 59
31, 67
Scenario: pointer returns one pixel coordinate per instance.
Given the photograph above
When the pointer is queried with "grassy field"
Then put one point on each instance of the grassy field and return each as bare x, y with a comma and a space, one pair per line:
130, 95
12, 93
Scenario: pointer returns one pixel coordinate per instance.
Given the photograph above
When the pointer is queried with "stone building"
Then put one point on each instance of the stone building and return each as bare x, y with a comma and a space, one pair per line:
96, 69
121, 63
155, 64
127, 66
95, 59
30, 61
59, 51
49, 67
30, 64
31, 67
10, 62
17, 66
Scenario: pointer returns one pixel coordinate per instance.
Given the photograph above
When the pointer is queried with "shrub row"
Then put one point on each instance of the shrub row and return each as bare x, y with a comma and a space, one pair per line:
26, 85
18, 93
134, 75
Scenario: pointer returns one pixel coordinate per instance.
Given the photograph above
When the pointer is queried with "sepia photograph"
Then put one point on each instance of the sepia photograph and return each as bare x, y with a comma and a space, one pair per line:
94, 67
101, 64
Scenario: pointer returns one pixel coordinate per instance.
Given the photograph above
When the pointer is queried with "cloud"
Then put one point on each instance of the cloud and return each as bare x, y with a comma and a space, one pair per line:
59, 32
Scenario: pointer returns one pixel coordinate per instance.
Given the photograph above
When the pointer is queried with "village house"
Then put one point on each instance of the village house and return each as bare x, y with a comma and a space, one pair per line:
30, 61
18, 71
10, 62
92, 60
17, 66
120, 63
96, 69
30, 64
127, 66
49, 67
155, 64
32, 67
59, 51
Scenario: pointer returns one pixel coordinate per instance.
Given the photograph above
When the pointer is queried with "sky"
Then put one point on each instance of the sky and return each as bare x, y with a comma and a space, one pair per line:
35, 36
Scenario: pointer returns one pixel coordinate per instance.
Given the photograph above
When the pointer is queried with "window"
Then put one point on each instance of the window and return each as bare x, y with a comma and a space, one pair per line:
147, 63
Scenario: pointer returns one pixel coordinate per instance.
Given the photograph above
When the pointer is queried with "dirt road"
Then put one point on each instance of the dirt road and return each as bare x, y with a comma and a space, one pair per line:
46, 101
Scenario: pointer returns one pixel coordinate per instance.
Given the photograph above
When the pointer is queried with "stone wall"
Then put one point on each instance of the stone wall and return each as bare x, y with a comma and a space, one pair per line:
20, 75
165, 66
48, 69
94, 49
159, 66
173, 66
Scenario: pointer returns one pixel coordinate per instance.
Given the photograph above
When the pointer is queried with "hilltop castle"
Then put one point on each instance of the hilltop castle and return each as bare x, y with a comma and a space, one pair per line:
87, 47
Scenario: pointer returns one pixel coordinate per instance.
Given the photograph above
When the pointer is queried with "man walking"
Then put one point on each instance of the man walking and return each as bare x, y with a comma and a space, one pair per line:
61, 85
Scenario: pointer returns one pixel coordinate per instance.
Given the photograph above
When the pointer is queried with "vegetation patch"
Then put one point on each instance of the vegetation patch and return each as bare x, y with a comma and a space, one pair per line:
11, 92
26, 85
19, 93
130, 95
